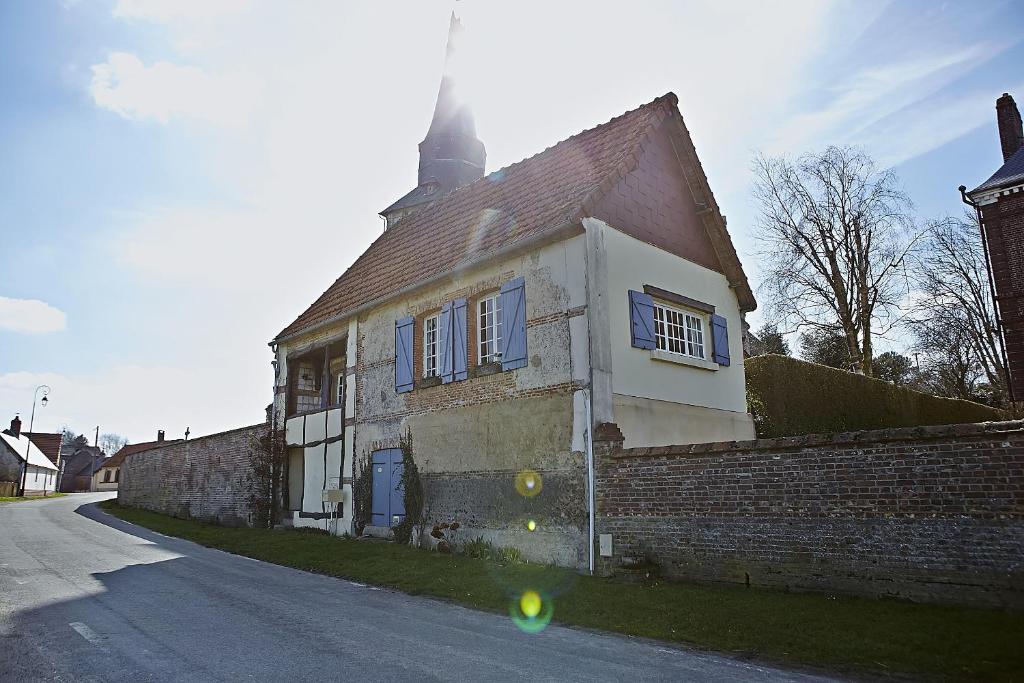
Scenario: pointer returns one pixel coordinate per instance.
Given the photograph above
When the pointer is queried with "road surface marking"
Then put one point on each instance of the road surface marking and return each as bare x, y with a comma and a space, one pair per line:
87, 633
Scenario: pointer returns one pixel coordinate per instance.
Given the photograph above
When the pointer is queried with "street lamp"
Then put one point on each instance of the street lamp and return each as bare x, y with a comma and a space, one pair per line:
31, 423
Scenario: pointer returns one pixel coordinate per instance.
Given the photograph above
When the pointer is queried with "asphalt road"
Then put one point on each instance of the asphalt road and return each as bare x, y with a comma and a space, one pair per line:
87, 597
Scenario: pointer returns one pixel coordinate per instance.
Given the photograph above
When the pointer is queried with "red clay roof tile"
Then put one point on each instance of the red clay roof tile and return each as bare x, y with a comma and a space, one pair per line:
538, 195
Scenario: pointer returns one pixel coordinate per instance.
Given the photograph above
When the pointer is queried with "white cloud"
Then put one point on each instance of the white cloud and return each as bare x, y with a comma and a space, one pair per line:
170, 10
866, 100
132, 400
125, 85
30, 315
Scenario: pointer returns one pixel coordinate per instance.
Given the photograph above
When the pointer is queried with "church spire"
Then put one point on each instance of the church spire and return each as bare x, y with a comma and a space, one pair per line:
451, 155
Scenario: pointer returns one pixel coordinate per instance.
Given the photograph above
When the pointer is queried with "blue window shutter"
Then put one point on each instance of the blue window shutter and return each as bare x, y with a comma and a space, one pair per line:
403, 354
460, 345
641, 320
513, 324
720, 335
445, 344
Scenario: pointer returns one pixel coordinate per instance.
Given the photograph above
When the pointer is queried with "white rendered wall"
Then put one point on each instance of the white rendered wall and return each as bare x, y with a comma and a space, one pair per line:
655, 402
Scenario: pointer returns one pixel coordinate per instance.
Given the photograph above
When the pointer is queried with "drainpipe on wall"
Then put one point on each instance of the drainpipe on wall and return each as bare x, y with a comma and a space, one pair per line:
590, 479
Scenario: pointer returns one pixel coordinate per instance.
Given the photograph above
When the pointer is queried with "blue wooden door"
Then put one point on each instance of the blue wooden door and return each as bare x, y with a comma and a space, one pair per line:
388, 496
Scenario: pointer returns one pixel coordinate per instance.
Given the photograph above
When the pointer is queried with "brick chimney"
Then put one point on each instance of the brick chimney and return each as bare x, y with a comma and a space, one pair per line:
15, 430
159, 435
1011, 133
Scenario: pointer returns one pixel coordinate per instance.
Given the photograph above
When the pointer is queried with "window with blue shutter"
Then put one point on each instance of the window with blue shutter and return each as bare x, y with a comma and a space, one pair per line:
403, 354
720, 337
445, 344
513, 324
641, 320
460, 343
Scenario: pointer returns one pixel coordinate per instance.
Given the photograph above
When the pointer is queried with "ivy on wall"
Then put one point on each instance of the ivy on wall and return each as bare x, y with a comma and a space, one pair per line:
411, 525
266, 461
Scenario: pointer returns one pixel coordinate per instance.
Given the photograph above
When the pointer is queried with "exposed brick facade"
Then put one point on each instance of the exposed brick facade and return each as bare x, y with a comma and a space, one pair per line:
647, 203
927, 513
206, 478
1004, 231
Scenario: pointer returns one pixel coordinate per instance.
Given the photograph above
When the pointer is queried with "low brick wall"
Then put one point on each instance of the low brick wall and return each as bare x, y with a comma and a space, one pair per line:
206, 478
925, 513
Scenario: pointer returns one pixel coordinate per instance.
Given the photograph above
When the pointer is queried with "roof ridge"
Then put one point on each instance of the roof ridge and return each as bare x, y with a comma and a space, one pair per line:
669, 96
449, 201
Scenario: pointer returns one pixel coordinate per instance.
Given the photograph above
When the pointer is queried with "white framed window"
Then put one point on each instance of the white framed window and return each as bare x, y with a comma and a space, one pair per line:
430, 347
680, 332
339, 389
489, 329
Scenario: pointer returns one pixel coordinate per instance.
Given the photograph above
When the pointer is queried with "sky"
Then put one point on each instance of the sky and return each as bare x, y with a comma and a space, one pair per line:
160, 157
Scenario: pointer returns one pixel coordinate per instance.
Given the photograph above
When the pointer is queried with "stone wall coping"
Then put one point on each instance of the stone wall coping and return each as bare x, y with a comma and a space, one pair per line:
184, 442
840, 439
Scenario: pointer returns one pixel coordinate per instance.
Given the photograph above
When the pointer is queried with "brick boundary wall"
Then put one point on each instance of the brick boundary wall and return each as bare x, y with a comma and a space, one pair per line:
205, 478
931, 514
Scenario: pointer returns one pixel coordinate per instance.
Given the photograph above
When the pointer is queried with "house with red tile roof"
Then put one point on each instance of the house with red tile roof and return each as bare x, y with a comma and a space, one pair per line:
49, 444
23, 466
108, 474
499, 318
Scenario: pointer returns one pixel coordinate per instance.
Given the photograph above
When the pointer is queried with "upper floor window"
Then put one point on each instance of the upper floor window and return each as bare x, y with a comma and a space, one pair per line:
430, 347
489, 329
677, 331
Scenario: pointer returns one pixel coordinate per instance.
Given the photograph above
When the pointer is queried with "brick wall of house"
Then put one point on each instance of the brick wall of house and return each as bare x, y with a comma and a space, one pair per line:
1004, 229
647, 204
206, 478
926, 513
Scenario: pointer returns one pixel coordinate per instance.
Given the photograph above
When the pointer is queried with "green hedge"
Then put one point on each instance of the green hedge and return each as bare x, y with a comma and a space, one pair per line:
789, 397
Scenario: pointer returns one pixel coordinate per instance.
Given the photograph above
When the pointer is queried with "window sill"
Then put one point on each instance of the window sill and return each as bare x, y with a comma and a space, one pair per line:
429, 382
486, 369
684, 360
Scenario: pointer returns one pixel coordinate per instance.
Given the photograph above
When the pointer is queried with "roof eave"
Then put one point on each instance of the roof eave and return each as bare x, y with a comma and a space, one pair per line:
569, 228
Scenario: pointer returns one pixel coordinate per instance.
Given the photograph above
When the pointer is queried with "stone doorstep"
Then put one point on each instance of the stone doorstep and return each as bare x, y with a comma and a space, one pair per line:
377, 531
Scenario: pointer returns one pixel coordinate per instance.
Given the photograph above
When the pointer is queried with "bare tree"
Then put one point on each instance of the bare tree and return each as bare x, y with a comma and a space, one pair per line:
112, 443
953, 315
833, 235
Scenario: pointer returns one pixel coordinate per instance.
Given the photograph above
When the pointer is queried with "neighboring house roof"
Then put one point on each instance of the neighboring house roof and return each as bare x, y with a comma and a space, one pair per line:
49, 444
117, 458
543, 194
1010, 173
21, 445
84, 458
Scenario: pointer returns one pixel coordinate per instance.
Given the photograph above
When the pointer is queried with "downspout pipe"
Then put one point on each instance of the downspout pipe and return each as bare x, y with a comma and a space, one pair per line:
590, 479
991, 287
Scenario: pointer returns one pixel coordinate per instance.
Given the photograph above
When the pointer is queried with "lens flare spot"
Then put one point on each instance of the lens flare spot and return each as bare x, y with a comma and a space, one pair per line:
529, 604
531, 525
528, 483
531, 612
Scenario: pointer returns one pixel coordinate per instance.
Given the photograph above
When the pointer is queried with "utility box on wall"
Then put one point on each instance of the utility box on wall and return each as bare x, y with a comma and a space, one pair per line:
605, 545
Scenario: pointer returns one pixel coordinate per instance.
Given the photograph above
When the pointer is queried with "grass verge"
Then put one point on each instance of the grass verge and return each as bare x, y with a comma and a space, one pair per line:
938, 642
19, 499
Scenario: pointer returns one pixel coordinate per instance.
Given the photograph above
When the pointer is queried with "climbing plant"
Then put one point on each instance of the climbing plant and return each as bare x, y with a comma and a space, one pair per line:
362, 492
266, 463
411, 525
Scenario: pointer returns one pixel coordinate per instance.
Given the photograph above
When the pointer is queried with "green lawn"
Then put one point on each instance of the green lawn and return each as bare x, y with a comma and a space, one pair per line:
18, 499
837, 633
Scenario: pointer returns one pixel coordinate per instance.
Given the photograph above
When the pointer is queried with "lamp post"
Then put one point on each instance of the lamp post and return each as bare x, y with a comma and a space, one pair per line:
31, 424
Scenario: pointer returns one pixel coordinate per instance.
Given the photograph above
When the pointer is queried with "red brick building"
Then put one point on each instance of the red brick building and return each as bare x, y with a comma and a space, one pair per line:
1000, 204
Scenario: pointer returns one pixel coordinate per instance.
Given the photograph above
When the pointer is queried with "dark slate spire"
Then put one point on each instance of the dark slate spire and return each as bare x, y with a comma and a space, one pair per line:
451, 155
